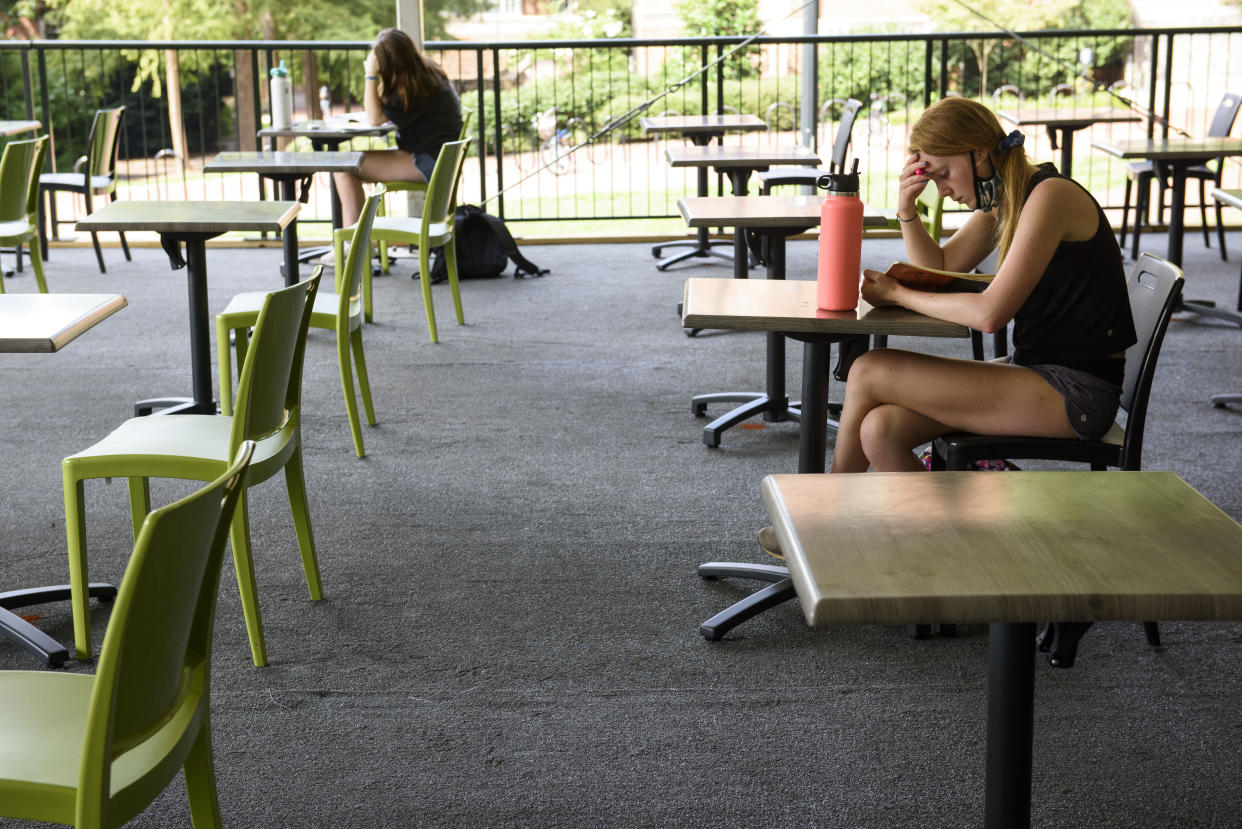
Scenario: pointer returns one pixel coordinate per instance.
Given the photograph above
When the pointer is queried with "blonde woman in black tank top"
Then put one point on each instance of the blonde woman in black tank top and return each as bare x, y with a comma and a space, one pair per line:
1054, 241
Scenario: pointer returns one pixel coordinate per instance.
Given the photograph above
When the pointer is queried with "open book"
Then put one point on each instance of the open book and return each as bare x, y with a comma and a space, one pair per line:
930, 279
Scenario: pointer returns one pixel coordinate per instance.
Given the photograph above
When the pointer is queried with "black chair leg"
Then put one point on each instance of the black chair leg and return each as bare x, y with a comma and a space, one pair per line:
41, 222
1207, 233
53, 226
976, 344
1060, 642
1152, 630
98, 251
1140, 207
1220, 234
1125, 213
121, 233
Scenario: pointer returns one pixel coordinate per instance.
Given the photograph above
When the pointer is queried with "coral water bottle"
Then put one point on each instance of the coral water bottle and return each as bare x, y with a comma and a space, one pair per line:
840, 240
282, 97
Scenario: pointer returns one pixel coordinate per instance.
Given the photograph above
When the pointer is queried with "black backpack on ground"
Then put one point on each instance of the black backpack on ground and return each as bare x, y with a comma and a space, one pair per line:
484, 248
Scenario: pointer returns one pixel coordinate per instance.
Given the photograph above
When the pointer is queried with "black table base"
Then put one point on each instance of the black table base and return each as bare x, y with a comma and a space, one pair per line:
202, 400
30, 637
1011, 717
700, 248
779, 591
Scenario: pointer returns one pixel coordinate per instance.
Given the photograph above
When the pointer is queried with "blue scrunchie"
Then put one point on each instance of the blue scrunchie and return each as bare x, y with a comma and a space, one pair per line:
1013, 139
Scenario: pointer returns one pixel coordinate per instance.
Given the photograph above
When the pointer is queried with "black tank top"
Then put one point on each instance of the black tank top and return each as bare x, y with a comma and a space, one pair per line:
1079, 313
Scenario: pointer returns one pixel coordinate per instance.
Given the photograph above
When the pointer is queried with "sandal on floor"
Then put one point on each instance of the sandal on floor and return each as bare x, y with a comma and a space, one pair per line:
770, 544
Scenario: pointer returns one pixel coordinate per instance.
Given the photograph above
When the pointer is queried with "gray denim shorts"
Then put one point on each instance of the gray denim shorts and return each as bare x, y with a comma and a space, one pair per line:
425, 162
1090, 402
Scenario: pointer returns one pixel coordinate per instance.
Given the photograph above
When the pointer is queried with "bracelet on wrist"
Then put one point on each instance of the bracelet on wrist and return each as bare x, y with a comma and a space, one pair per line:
911, 219
372, 77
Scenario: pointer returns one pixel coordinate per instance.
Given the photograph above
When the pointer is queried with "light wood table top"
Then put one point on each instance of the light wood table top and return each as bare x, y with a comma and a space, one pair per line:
1071, 117
286, 163
42, 323
1165, 149
761, 211
1006, 549
965, 547
716, 155
17, 127
790, 306
192, 216
711, 124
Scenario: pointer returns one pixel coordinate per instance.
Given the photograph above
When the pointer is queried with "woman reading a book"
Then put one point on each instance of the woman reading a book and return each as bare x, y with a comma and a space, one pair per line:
1060, 282
401, 86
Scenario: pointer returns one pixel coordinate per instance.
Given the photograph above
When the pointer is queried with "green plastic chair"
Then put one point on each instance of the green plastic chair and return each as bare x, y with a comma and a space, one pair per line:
467, 116
198, 447
94, 751
431, 230
93, 174
340, 312
19, 200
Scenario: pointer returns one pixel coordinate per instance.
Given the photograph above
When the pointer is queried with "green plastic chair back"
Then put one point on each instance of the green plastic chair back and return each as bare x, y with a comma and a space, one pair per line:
146, 713
442, 189
19, 197
930, 205
269, 388
15, 168
357, 261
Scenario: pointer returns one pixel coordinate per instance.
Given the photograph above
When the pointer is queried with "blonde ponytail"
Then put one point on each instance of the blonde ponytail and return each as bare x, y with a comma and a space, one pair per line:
953, 126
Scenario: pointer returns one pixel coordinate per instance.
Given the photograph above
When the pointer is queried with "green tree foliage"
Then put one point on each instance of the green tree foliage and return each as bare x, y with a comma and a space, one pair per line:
984, 64
722, 18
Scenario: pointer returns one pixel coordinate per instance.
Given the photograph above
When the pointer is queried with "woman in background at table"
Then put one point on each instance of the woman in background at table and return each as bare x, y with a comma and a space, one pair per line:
404, 87
1060, 281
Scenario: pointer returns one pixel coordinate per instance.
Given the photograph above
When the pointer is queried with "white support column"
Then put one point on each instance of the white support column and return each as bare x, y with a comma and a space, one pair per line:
410, 20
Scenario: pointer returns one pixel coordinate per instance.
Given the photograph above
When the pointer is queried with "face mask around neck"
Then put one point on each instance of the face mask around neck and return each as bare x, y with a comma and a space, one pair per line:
987, 190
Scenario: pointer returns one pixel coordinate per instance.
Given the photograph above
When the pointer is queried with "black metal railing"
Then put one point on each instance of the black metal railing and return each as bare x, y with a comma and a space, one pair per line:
537, 101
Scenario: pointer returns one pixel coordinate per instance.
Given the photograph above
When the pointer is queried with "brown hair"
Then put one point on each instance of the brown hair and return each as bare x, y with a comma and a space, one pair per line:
953, 126
407, 78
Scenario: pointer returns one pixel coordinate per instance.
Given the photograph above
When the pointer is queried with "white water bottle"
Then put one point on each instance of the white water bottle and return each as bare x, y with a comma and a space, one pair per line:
282, 98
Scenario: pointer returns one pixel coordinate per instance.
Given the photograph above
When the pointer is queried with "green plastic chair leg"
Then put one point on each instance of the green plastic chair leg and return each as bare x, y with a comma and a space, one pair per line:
224, 367
366, 281
364, 384
200, 782
139, 502
424, 272
295, 482
243, 565
75, 531
37, 264
347, 386
450, 265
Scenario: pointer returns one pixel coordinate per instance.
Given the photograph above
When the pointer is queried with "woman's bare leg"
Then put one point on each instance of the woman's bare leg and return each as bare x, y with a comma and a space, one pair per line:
349, 190
896, 400
377, 165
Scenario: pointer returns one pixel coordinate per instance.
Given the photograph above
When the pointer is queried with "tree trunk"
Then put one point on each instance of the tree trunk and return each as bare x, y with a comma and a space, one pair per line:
176, 124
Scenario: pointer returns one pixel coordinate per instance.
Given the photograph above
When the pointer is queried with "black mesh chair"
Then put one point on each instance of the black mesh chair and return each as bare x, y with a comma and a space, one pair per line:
809, 175
1154, 288
1142, 173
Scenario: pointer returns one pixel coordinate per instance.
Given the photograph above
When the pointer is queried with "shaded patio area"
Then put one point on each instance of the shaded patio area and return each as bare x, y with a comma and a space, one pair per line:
510, 636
